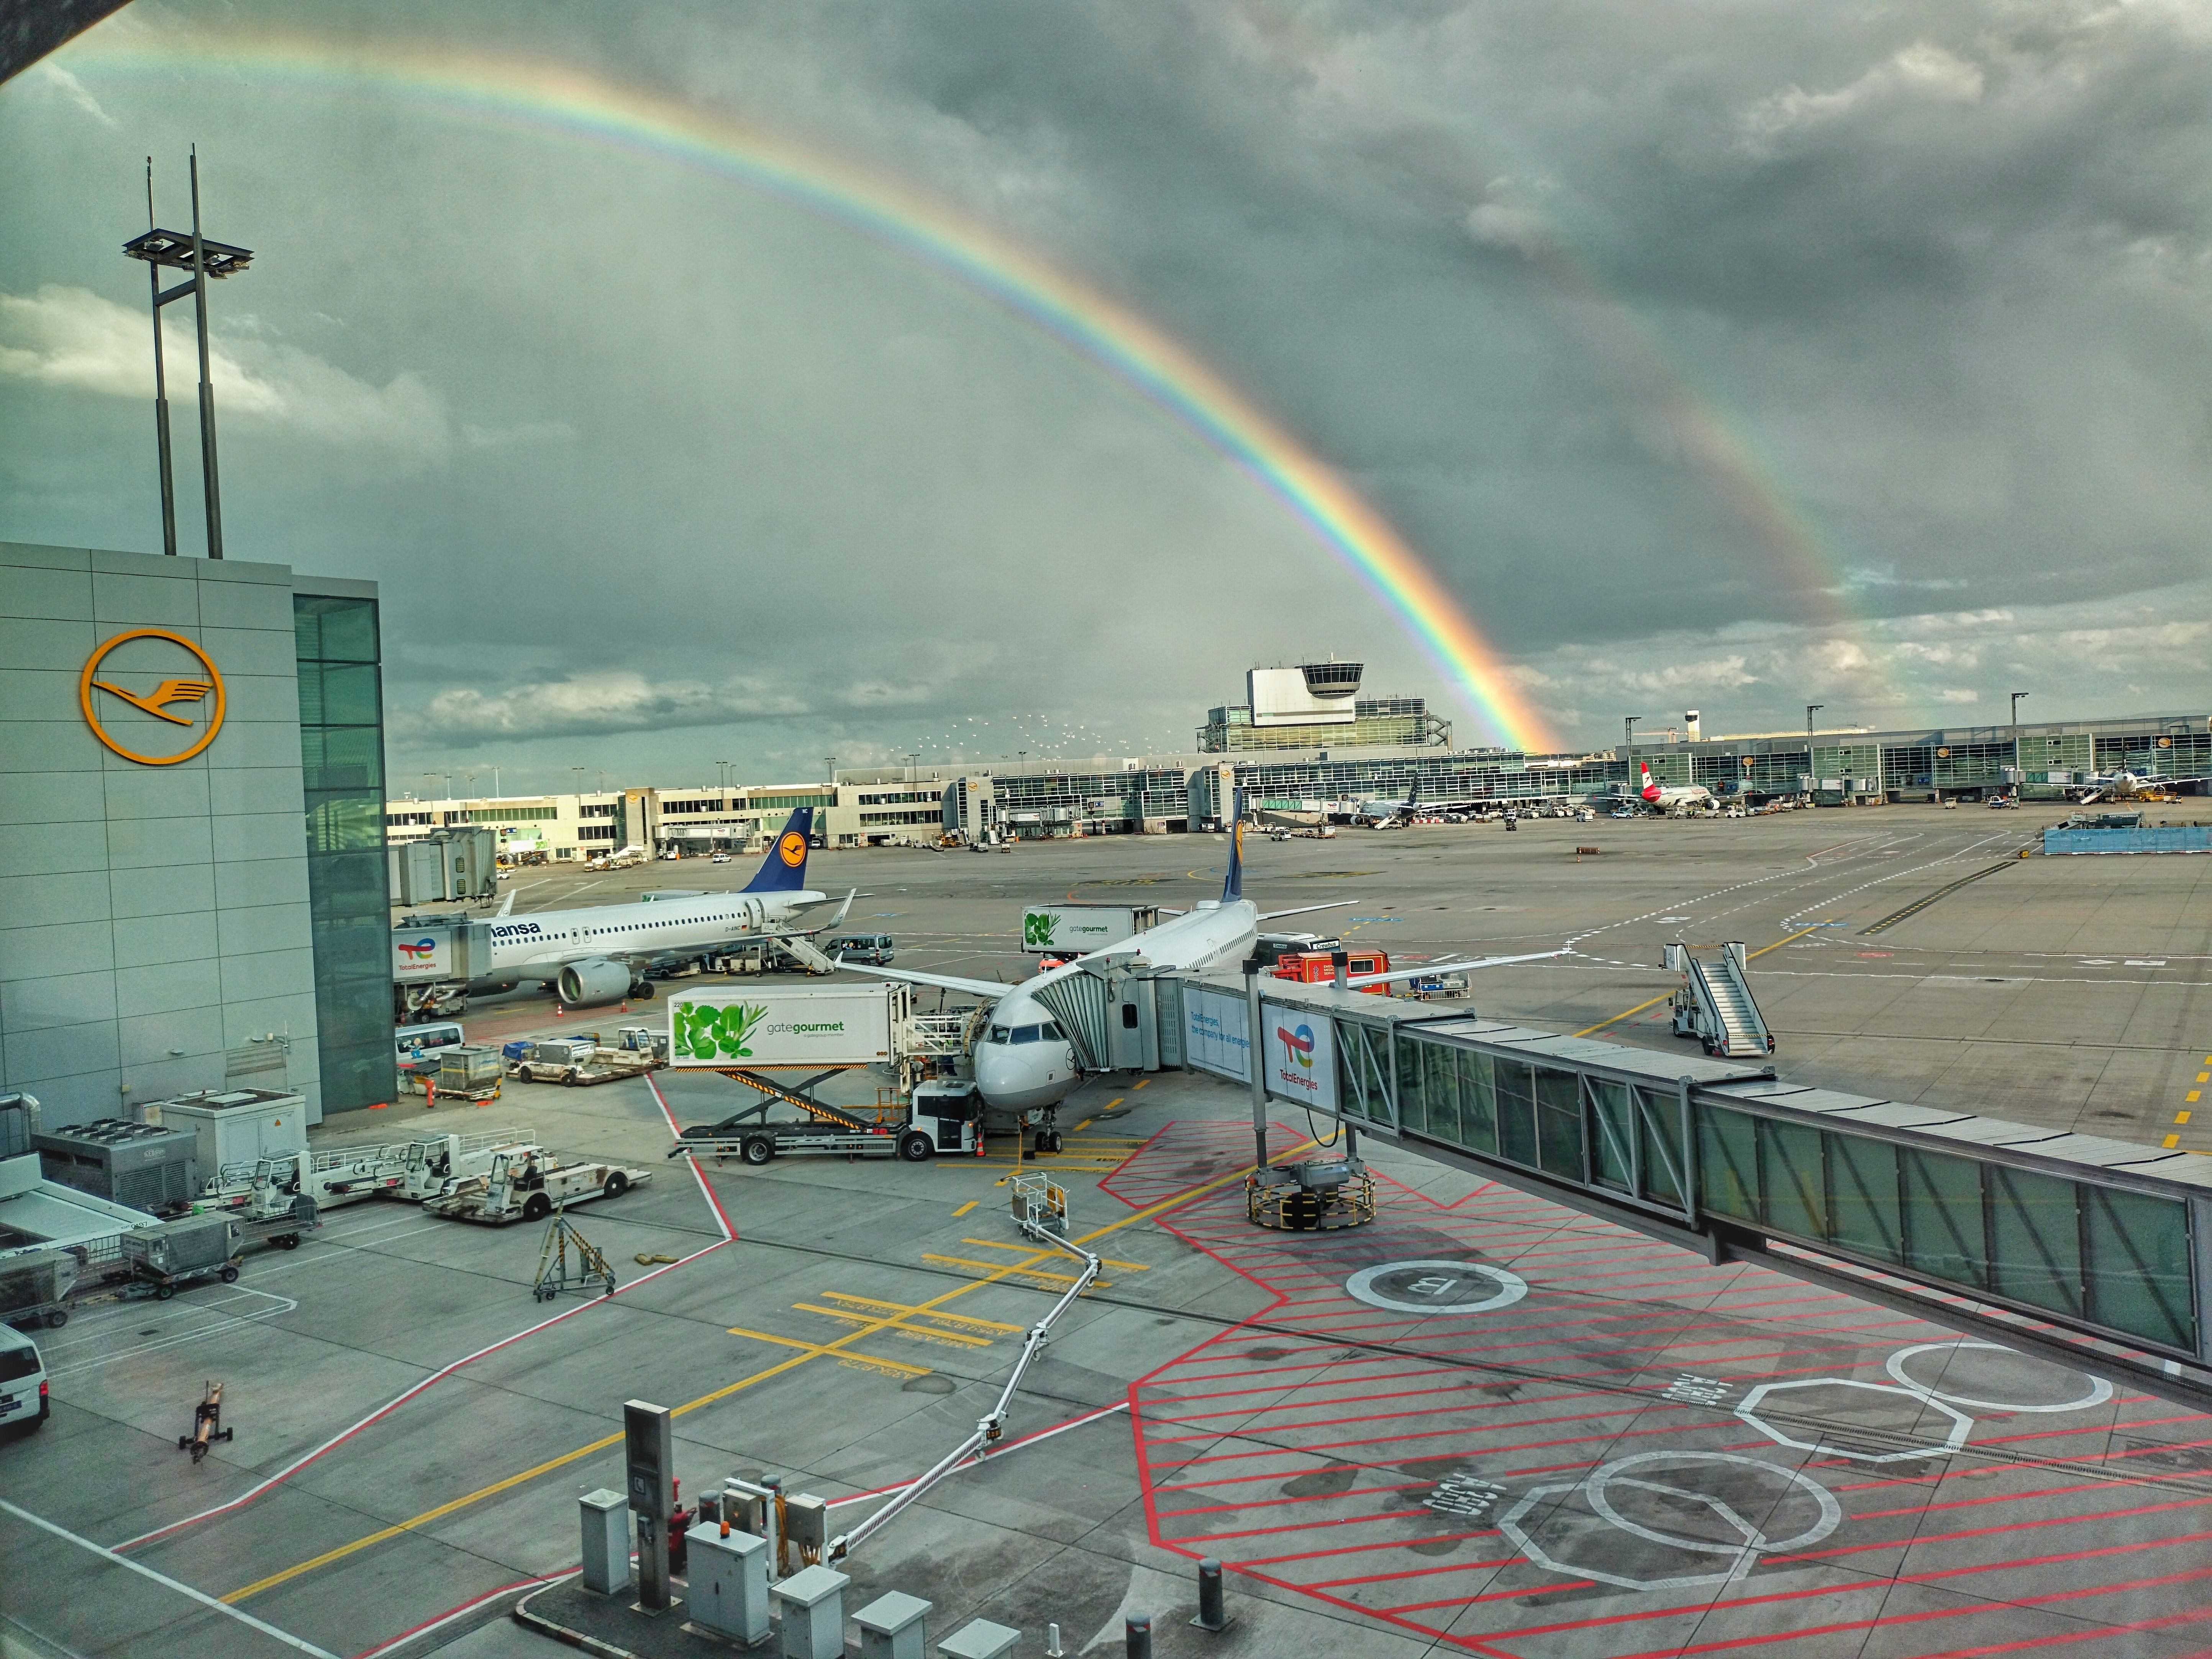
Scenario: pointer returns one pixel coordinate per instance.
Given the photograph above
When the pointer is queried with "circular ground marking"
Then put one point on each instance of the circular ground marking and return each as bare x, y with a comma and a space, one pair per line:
1436, 1287
1830, 1516
2100, 1390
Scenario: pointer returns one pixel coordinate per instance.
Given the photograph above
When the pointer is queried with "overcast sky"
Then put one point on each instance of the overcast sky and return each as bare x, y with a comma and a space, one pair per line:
1731, 357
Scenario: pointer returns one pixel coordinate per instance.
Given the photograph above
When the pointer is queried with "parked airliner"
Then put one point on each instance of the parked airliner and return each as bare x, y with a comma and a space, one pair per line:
601, 954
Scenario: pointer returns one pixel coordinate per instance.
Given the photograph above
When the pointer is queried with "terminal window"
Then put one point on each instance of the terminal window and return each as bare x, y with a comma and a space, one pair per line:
342, 770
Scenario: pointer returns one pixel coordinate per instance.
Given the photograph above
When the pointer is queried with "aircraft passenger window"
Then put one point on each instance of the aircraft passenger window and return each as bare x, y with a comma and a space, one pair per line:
1026, 1033
998, 1034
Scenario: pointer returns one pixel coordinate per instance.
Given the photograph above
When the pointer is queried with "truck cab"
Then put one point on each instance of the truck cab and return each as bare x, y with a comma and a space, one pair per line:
946, 1116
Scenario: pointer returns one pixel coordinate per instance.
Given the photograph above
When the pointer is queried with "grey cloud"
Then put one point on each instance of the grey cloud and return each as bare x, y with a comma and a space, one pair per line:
1658, 336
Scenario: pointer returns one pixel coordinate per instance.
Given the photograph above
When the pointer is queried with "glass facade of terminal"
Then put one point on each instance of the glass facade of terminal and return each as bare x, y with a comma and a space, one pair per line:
342, 770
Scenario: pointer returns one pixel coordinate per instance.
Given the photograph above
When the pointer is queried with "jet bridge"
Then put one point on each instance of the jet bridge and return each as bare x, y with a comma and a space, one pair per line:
2095, 1253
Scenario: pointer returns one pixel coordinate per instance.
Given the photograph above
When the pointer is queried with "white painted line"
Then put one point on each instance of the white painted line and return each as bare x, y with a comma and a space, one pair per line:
168, 1582
994, 1458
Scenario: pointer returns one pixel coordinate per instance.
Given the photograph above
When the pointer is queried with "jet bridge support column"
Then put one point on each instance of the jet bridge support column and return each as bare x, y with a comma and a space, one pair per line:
1253, 1049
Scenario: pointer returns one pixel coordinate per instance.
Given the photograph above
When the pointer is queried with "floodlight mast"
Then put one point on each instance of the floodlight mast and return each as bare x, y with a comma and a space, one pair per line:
203, 258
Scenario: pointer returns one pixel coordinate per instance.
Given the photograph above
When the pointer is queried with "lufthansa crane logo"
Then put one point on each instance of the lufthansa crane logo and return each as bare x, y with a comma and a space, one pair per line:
792, 848
193, 698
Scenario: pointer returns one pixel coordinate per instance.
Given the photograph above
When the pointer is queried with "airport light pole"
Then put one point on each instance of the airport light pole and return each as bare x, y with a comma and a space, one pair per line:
176, 251
2016, 696
1811, 709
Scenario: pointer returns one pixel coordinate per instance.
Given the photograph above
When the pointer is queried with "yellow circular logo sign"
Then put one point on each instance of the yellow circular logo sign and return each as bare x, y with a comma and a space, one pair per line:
792, 847
177, 699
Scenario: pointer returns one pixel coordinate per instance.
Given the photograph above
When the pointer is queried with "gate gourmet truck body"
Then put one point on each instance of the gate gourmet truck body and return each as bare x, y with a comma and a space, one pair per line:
1074, 930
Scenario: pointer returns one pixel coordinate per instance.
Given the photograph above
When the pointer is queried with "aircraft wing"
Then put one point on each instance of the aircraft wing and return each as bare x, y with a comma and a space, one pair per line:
979, 988
1357, 980
1308, 909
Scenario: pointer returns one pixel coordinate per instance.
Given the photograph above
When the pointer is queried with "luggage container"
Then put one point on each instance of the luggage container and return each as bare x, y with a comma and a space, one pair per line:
35, 1289
183, 1252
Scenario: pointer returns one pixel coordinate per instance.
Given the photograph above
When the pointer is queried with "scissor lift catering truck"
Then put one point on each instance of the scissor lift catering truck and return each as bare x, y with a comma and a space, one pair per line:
784, 1043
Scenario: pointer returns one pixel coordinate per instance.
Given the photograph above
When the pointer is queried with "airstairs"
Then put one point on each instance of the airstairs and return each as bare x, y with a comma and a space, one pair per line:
1715, 1004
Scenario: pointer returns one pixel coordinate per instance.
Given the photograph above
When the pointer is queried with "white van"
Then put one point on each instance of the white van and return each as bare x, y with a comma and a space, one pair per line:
22, 1381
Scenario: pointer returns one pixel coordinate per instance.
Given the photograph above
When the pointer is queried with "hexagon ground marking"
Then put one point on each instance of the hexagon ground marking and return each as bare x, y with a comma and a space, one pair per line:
1511, 1287
1961, 1424
2100, 1390
1594, 1487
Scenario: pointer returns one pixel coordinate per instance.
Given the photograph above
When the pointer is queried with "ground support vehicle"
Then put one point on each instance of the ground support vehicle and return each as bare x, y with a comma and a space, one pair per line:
432, 1168
284, 1229
35, 1289
941, 1115
551, 1059
612, 1065
23, 1397
1715, 1004
1319, 968
530, 1187
162, 1260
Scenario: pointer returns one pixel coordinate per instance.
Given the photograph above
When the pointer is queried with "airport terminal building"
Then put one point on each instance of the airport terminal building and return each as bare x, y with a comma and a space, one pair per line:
192, 888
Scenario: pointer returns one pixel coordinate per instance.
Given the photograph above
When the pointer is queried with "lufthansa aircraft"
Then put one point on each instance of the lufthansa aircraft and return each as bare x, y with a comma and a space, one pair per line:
601, 954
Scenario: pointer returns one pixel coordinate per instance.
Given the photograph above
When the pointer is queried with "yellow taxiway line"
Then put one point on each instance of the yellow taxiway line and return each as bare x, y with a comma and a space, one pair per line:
807, 1351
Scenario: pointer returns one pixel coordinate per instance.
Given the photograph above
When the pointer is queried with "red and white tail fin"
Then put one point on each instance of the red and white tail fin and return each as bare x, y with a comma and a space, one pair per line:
1650, 789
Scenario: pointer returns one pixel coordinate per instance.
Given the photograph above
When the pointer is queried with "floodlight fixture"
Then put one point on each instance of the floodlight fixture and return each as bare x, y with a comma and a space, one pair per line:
177, 249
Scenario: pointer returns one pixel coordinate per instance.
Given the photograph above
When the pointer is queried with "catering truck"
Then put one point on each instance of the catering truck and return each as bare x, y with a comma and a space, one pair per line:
1074, 930
760, 1027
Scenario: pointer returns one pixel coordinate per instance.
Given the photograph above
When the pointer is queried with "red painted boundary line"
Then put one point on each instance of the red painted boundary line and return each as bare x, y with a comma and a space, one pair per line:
729, 1235
454, 1612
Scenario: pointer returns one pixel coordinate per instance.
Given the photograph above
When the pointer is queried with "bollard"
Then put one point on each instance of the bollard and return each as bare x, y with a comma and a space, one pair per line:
1138, 1636
1211, 1614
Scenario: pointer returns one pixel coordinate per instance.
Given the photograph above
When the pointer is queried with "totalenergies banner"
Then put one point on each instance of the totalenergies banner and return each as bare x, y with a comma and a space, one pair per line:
1300, 1045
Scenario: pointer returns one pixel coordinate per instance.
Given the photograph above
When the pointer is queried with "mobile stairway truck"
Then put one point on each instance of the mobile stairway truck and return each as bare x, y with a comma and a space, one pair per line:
784, 1043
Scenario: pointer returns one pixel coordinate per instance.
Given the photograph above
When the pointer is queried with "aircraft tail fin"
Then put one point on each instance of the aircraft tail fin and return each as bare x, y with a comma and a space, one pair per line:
506, 904
783, 869
1232, 885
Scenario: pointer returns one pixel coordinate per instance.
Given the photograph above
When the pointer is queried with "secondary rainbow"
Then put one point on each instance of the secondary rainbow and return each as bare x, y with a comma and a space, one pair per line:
541, 95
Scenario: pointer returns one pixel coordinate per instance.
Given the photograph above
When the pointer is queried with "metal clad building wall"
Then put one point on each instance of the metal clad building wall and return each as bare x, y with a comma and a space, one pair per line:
153, 917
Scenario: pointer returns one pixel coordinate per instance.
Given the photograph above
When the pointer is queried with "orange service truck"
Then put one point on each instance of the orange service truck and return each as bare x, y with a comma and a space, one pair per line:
1314, 968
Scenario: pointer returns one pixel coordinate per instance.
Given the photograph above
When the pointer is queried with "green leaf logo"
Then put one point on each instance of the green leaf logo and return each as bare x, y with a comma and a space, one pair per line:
1038, 926
705, 1033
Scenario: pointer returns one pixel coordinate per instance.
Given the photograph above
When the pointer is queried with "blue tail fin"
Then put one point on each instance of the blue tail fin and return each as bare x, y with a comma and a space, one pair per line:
1232, 887
783, 869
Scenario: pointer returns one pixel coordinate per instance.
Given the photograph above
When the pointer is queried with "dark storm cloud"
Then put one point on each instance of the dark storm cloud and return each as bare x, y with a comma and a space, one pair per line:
1671, 335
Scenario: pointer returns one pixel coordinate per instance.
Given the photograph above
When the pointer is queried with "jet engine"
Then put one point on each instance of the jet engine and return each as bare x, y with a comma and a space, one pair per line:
583, 983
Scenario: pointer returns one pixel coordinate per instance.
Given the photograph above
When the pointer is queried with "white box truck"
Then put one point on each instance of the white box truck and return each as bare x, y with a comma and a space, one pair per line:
1071, 930
793, 1025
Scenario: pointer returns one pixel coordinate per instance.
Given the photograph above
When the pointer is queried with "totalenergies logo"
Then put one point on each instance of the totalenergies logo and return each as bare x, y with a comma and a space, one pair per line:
200, 685
1300, 1044
792, 849
416, 951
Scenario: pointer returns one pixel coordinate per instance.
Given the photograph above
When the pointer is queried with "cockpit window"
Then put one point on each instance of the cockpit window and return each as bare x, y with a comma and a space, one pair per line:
998, 1034
1053, 1033
1028, 1033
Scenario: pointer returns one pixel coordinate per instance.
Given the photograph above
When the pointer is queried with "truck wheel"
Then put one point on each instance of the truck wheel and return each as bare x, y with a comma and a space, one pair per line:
568, 1077
757, 1150
163, 1292
537, 1207
286, 1241
917, 1148
617, 1184
528, 1075
57, 1318
228, 1275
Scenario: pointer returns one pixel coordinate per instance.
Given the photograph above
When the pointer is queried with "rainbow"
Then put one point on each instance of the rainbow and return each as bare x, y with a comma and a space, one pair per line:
542, 95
